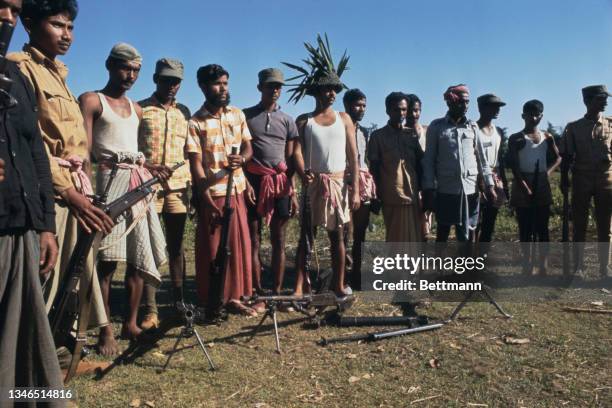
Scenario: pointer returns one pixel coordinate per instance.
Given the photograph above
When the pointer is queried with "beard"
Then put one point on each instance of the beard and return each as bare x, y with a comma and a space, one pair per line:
216, 100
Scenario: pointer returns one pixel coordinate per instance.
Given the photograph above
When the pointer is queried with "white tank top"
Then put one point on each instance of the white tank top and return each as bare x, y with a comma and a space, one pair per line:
113, 133
490, 147
325, 146
532, 153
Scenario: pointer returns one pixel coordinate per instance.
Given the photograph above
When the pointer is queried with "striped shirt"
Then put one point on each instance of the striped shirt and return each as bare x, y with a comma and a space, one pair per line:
162, 138
213, 137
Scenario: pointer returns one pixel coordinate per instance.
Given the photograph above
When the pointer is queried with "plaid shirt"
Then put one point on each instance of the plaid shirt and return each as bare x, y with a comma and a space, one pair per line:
213, 137
162, 138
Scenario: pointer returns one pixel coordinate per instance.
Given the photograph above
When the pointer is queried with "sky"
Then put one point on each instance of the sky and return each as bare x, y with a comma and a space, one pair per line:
519, 49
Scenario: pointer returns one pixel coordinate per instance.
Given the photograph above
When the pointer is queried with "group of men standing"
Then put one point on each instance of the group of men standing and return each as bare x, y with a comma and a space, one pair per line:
50, 140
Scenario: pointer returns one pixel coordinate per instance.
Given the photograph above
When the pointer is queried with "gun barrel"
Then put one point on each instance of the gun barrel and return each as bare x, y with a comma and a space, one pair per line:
354, 321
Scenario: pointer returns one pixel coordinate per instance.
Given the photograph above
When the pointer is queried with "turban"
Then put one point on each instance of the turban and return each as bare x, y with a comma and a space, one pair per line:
453, 93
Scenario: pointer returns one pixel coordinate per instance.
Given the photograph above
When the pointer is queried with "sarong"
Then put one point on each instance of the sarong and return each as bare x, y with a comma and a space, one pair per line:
403, 223
27, 352
329, 201
145, 246
238, 276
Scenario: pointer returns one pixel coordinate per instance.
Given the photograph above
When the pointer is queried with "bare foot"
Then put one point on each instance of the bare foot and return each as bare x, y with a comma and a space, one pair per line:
107, 345
130, 332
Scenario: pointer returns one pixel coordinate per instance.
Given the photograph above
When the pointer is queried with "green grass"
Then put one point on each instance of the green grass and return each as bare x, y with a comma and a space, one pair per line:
565, 364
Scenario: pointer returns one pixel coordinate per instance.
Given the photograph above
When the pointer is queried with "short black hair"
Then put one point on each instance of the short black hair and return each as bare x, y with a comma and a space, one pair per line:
533, 106
38, 10
412, 99
351, 96
210, 72
393, 98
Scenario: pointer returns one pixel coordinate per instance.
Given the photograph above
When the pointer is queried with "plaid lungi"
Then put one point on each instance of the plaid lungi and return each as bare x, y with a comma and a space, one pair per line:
145, 246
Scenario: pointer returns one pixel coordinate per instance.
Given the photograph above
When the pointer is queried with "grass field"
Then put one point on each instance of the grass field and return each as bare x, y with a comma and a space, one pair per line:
563, 360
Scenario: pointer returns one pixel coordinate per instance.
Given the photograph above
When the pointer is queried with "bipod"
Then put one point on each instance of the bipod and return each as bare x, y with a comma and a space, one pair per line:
484, 291
190, 313
271, 309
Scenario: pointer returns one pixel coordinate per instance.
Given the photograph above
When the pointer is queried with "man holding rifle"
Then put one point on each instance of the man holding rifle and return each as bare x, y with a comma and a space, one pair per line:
50, 26
219, 144
111, 122
27, 226
586, 149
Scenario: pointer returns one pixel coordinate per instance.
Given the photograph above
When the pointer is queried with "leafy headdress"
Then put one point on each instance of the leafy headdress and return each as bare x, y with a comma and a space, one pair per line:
320, 70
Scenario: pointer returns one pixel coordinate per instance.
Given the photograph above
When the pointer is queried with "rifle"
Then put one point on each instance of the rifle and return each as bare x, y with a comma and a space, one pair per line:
307, 237
215, 288
565, 226
303, 304
375, 336
65, 308
7, 101
534, 201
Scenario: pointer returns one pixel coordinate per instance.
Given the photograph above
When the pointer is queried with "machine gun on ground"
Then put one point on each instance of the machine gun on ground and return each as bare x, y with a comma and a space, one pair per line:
313, 306
66, 309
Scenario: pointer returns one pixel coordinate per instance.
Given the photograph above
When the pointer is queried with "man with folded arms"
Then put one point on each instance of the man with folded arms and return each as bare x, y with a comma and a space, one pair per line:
162, 138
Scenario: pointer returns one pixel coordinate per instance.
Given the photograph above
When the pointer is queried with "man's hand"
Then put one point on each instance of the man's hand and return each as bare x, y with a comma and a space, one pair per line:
210, 203
428, 200
89, 216
355, 201
295, 206
564, 183
235, 161
1, 170
250, 194
490, 194
308, 177
160, 171
526, 187
48, 252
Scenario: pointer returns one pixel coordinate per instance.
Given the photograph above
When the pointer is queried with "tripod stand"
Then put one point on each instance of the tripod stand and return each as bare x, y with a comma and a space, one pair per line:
190, 313
487, 294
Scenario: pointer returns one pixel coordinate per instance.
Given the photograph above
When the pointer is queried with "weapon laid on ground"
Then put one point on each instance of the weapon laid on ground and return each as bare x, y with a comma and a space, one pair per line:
312, 306
380, 335
190, 314
224, 251
360, 321
65, 308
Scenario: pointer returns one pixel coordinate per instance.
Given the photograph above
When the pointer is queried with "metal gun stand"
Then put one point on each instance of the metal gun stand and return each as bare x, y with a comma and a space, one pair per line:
271, 310
190, 313
487, 294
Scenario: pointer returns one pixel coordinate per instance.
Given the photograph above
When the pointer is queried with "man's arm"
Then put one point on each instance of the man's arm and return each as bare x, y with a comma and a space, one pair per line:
567, 157
298, 156
516, 143
429, 167
48, 244
91, 110
351, 153
553, 154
